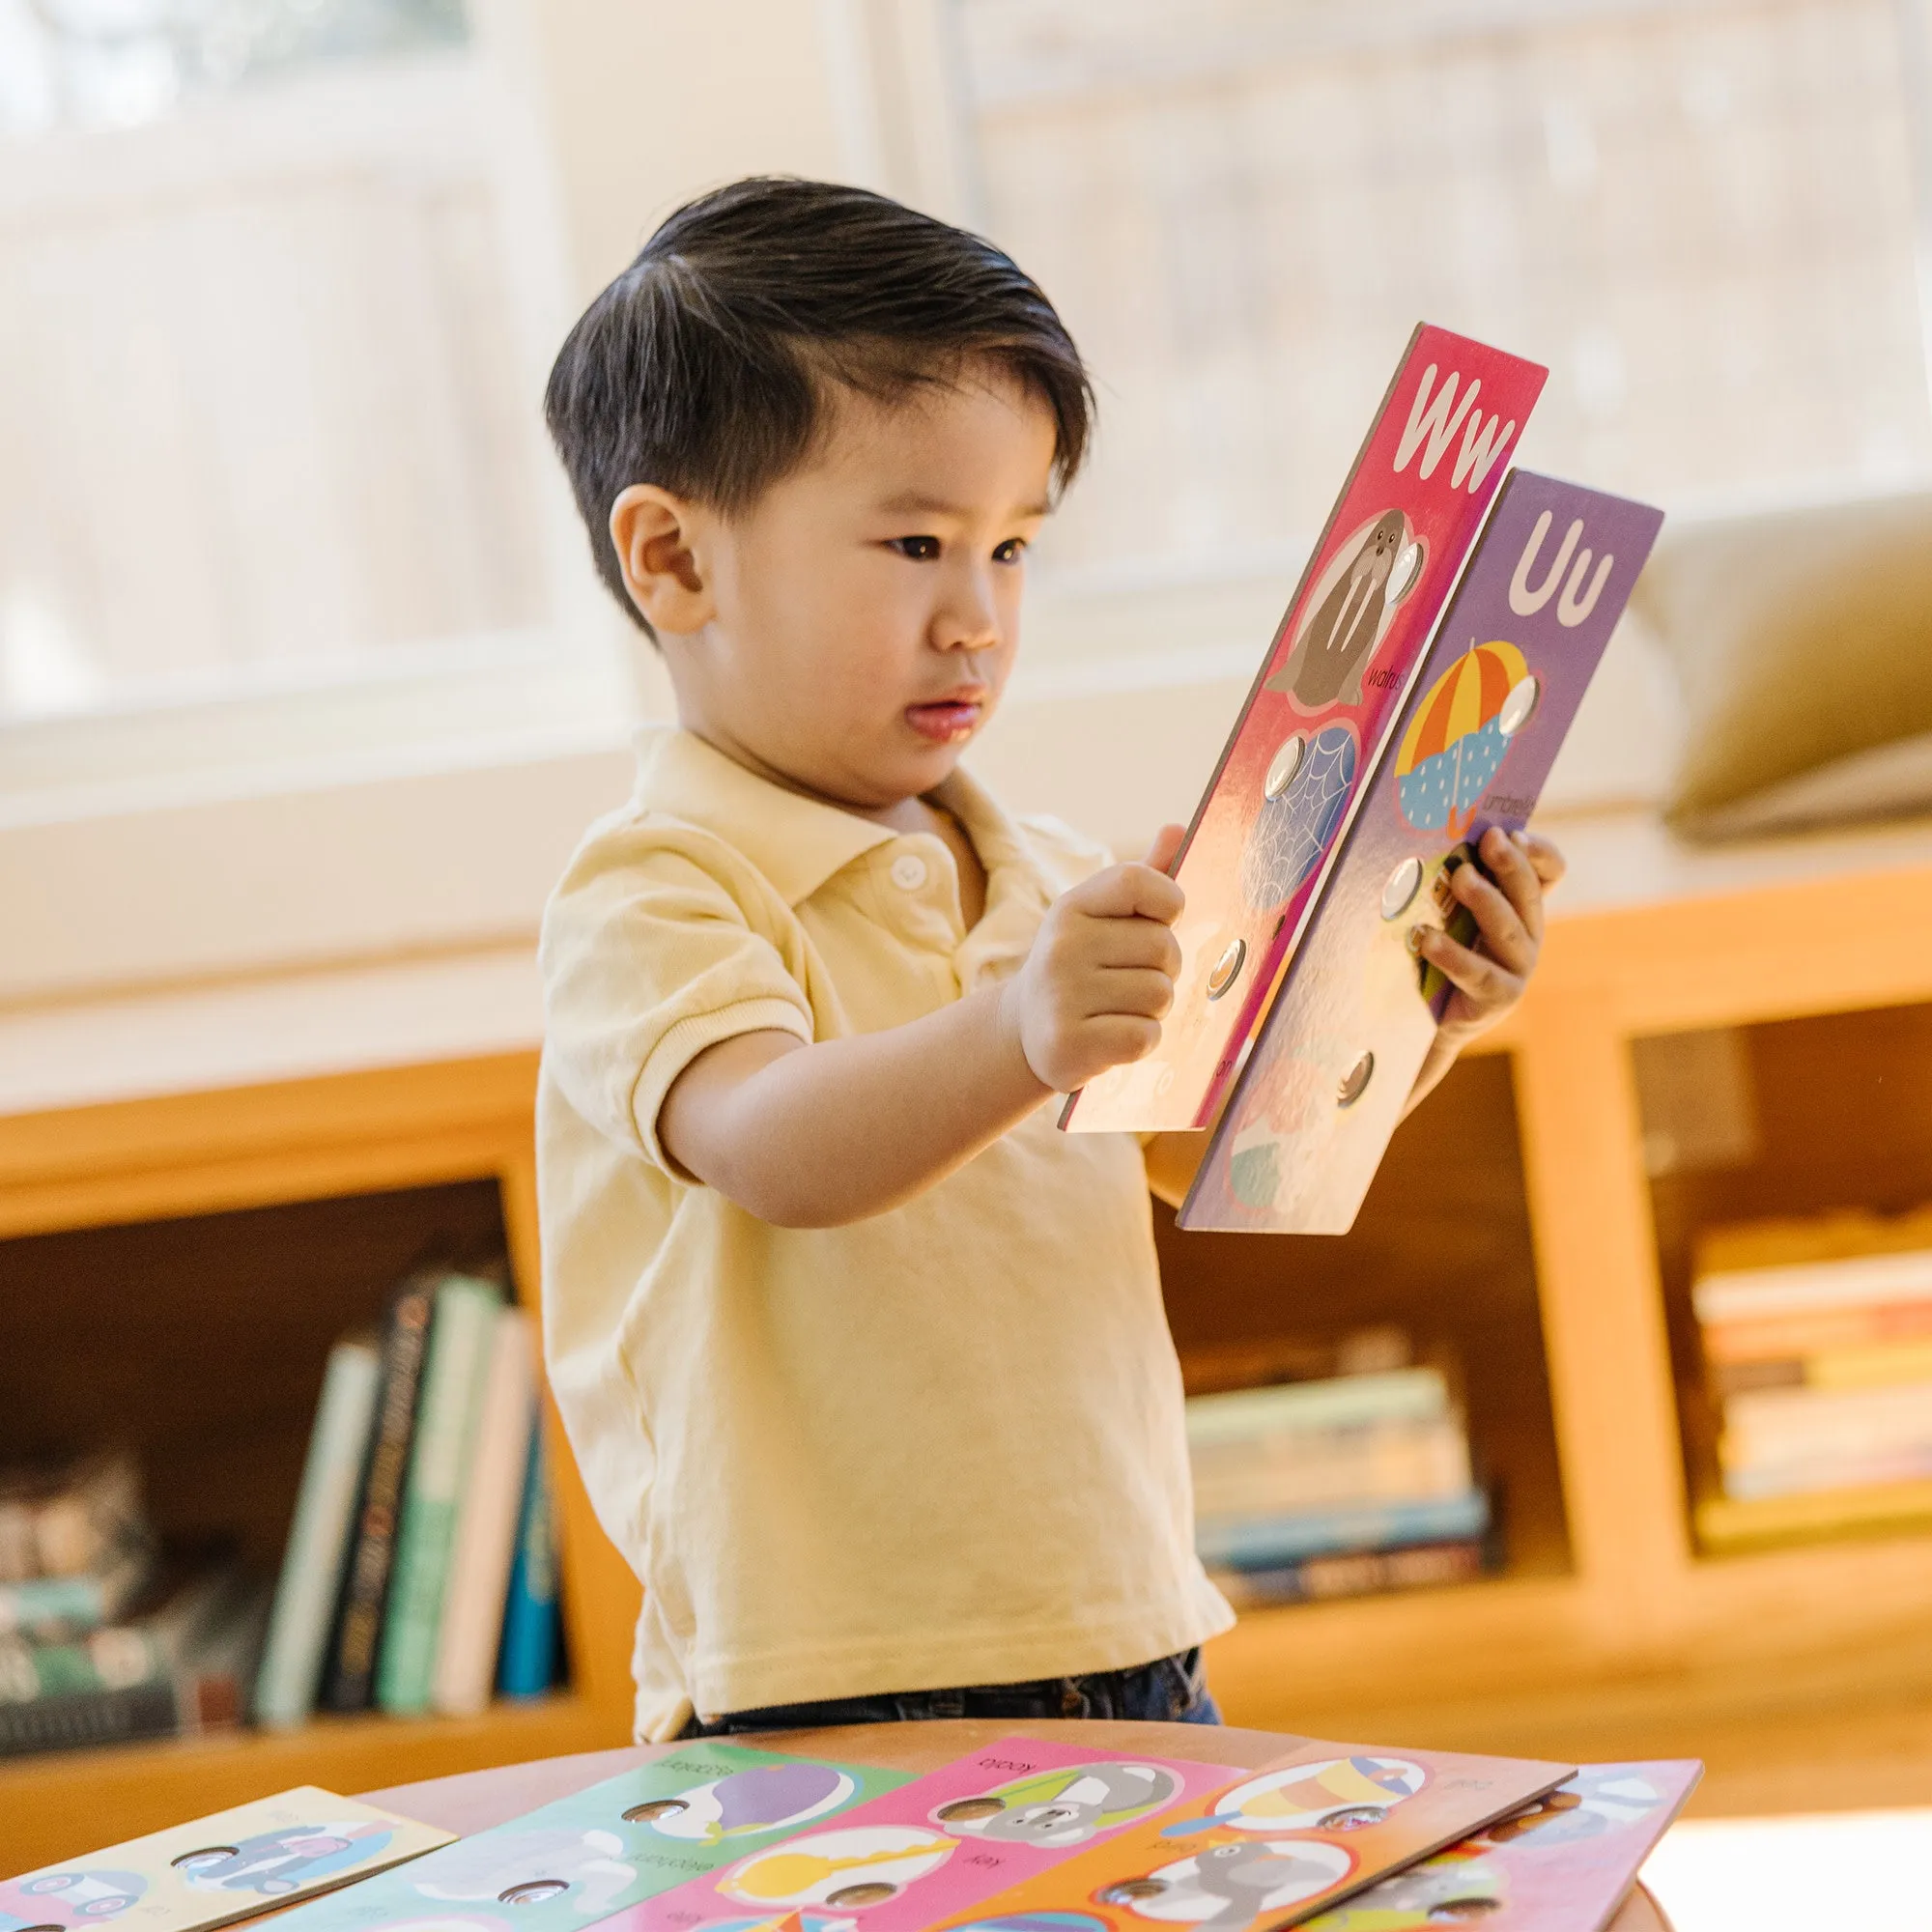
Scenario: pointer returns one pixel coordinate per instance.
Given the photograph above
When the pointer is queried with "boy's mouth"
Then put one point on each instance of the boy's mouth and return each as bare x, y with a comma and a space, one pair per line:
947, 719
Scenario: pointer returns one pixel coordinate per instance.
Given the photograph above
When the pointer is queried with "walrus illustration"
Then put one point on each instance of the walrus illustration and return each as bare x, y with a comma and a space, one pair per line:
1337, 646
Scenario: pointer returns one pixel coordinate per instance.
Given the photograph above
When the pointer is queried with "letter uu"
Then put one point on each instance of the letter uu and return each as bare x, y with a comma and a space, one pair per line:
1575, 602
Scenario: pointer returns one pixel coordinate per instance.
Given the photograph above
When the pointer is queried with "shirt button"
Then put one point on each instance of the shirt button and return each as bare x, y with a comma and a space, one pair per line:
909, 871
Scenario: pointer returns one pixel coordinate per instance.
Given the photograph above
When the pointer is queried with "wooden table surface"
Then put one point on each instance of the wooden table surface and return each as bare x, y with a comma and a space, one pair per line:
476, 1799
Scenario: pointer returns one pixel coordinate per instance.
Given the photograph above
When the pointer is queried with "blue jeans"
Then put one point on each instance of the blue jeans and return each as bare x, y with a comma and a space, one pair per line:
1170, 1689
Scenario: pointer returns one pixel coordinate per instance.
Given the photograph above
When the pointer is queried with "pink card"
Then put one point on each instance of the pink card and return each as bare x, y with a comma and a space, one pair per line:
1274, 1847
1319, 716
936, 1847
1565, 1864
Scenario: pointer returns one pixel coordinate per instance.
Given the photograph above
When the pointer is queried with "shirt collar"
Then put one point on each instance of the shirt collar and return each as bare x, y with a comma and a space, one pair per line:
797, 842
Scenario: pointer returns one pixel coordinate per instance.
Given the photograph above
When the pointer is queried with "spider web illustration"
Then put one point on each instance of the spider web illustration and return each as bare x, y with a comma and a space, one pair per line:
1291, 833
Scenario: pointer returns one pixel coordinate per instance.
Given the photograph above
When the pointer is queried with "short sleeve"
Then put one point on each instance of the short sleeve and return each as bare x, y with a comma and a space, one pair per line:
659, 942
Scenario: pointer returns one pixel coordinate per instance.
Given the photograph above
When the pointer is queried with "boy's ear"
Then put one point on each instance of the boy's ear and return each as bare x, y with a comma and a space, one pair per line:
658, 538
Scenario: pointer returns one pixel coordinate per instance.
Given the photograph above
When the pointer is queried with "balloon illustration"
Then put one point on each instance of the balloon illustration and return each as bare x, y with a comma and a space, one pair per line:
1456, 741
1293, 826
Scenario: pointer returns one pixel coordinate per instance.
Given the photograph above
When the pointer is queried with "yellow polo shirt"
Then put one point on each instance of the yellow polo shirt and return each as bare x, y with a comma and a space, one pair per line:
940, 1446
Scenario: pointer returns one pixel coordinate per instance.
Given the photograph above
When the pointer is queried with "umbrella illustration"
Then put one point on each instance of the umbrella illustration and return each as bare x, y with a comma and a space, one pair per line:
1456, 741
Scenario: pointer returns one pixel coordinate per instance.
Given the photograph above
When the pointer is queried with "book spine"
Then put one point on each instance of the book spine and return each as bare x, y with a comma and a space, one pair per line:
1795, 1289
1815, 1474
1366, 1573
70, 1604
90, 1718
1792, 1337
1771, 1424
486, 1530
317, 1548
1406, 1462
110, 1660
526, 1663
365, 1586
1267, 1543
453, 1377
1342, 1402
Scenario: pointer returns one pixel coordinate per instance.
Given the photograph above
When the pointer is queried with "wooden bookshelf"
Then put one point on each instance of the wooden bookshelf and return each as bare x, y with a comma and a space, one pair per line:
1514, 1220
172, 1272
1803, 1671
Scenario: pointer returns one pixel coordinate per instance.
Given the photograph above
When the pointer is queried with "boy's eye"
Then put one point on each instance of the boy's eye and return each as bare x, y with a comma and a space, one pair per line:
1010, 552
920, 550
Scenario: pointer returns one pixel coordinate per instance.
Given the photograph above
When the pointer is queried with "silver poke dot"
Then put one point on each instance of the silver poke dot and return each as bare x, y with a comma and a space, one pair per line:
1286, 764
1403, 885
1356, 1082
1519, 706
1407, 567
1227, 968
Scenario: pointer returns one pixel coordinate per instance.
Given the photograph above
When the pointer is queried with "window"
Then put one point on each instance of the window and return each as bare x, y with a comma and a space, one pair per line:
1701, 216
269, 367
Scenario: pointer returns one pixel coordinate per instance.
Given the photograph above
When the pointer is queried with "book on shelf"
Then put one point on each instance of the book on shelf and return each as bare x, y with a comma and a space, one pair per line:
418, 1550
527, 1656
1292, 1479
1266, 1543
455, 1370
52, 1608
1790, 1338
1360, 1572
1816, 1337
1340, 1401
485, 1528
184, 1666
310, 1582
350, 1679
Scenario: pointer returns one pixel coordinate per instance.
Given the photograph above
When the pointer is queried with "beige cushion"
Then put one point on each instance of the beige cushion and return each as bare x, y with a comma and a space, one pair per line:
1801, 641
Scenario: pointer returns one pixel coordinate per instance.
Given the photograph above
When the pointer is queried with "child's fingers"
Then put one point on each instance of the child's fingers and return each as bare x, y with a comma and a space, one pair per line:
1117, 1039
1515, 878
1127, 892
1167, 843
1488, 982
1135, 942
1506, 934
1133, 990
1544, 857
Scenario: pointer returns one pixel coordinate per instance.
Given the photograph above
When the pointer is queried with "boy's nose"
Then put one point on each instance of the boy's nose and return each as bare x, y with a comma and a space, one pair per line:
969, 621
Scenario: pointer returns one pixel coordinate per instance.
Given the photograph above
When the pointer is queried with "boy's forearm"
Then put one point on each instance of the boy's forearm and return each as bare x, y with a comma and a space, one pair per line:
817, 1136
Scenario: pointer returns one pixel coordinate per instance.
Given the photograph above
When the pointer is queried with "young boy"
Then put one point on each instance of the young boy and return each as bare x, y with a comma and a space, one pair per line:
864, 1361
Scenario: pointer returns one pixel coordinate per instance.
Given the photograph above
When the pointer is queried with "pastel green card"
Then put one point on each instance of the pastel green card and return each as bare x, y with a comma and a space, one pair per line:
581, 1857
216, 1869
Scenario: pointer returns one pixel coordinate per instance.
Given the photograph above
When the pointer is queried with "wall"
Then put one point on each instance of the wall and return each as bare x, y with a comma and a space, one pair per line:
236, 904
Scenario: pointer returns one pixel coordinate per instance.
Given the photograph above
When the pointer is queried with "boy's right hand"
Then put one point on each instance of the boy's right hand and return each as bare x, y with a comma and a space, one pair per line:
1100, 979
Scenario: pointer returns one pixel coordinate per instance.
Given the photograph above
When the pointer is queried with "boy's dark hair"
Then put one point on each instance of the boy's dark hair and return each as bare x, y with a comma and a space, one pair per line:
701, 368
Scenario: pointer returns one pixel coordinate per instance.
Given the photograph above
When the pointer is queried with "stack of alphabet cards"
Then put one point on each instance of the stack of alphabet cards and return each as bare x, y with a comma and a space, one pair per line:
1025, 1835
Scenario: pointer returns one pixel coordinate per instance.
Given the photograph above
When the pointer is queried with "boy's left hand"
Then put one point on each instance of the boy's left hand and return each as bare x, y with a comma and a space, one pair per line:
1508, 910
